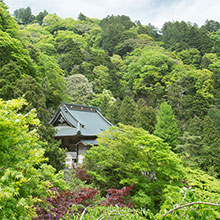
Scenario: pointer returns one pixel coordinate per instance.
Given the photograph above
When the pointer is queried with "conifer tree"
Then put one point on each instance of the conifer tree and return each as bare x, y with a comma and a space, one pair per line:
166, 127
127, 111
112, 113
211, 139
145, 116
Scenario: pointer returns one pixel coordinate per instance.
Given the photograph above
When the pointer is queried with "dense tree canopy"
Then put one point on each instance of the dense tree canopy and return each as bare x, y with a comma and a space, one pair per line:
132, 72
23, 177
128, 155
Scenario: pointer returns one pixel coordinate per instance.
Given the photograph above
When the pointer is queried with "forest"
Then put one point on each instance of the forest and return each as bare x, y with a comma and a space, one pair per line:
160, 89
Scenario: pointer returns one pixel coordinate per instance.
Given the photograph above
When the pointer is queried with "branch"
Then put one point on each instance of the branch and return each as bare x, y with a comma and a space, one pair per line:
84, 211
190, 204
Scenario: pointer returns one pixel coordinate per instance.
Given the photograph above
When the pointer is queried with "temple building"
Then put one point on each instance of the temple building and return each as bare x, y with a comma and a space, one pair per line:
77, 127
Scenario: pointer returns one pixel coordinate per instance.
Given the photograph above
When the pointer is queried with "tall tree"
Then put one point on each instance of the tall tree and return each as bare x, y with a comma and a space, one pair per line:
127, 111
39, 18
211, 139
112, 113
24, 15
166, 127
33, 93
145, 116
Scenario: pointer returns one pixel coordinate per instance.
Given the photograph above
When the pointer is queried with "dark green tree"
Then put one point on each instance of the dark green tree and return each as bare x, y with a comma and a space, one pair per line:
24, 15
181, 35
214, 114
70, 55
127, 111
112, 113
33, 93
39, 18
194, 126
211, 139
15, 62
114, 28
211, 26
190, 146
145, 117
82, 17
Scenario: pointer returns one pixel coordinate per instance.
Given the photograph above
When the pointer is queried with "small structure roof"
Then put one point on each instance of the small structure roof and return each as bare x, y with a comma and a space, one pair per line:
72, 120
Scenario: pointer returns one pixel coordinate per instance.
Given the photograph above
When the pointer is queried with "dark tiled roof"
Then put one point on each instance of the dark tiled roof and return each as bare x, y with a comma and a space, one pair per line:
79, 120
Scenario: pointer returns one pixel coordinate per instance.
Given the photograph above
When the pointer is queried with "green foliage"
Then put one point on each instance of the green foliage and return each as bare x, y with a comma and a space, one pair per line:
101, 80
14, 64
102, 212
52, 23
211, 25
207, 59
191, 92
129, 85
112, 112
114, 28
23, 177
51, 79
126, 155
7, 23
71, 55
79, 89
39, 18
145, 117
24, 15
211, 139
126, 112
181, 35
103, 101
207, 150
147, 72
214, 114
200, 189
166, 127
207, 186
190, 57
189, 204
190, 146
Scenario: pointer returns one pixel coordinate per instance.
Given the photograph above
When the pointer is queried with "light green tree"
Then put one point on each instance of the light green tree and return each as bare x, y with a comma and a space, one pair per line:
101, 80
126, 155
24, 179
166, 127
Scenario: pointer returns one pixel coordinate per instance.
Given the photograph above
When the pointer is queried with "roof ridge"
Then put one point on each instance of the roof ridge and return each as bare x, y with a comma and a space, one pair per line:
78, 105
77, 121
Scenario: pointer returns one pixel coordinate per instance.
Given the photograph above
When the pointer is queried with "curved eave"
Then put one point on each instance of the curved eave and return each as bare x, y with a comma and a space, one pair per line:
55, 117
62, 112
66, 111
99, 113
